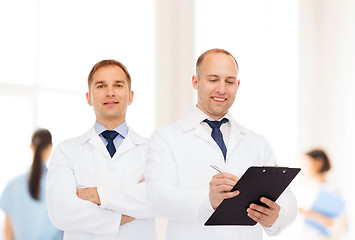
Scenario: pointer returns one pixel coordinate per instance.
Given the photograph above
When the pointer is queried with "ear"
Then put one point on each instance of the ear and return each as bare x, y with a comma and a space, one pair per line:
88, 98
238, 82
130, 97
194, 81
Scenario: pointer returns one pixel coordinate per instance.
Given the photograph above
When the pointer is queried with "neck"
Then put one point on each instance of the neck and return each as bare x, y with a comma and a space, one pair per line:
110, 125
216, 118
320, 178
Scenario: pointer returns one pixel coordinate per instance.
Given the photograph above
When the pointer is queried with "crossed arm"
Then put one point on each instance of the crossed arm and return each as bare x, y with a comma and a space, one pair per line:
91, 194
69, 212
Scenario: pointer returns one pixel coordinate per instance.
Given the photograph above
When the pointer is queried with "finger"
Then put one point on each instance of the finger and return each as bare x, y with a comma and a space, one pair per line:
230, 194
264, 220
270, 203
261, 221
255, 215
259, 208
223, 181
221, 188
227, 175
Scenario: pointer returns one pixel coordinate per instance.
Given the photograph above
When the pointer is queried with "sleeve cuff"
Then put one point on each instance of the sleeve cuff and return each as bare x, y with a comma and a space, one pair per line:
275, 228
117, 222
103, 197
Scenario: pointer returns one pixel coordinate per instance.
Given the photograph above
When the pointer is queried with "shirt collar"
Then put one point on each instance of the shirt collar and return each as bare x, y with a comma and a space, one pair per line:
122, 129
199, 116
195, 118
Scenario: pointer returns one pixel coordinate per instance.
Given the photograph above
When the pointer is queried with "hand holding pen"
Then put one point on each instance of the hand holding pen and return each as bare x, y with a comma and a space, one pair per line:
221, 186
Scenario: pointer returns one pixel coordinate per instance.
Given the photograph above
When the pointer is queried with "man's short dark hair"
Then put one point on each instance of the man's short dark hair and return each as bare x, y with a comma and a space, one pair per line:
109, 62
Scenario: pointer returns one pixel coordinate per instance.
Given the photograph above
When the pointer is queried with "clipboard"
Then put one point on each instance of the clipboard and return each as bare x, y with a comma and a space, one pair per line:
255, 183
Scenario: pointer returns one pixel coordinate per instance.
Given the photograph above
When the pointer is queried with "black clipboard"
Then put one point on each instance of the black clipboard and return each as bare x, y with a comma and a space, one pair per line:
255, 183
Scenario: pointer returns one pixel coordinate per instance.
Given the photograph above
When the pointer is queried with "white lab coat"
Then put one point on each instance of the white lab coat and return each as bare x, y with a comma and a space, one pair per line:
178, 173
85, 162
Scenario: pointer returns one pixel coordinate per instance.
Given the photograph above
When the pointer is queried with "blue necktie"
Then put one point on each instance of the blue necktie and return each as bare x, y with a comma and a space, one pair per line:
217, 134
110, 135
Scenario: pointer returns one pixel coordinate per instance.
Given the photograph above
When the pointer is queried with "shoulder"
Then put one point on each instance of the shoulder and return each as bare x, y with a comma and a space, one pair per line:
71, 143
169, 131
15, 186
18, 180
68, 148
247, 131
253, 138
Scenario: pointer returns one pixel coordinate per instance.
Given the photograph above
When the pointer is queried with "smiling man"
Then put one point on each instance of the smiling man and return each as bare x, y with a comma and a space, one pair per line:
181, 185
95, 185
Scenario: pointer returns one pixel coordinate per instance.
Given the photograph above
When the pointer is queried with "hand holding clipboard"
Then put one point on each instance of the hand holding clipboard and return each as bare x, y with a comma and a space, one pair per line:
257, 182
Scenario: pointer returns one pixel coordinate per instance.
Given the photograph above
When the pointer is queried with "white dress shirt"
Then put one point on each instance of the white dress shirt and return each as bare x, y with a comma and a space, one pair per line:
225, 127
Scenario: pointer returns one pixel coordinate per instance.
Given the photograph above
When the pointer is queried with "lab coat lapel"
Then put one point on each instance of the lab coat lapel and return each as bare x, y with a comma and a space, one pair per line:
192, 124
128, 143
96, 142
203, 134
235, 137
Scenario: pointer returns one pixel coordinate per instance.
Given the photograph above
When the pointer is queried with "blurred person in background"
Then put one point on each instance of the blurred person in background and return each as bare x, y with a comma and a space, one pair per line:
321, 206
23, 199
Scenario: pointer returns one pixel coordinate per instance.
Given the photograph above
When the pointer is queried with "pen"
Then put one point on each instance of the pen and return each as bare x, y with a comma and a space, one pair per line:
216, 168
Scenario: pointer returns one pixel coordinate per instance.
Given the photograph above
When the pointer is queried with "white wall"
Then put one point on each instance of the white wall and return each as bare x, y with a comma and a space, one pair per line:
174, 59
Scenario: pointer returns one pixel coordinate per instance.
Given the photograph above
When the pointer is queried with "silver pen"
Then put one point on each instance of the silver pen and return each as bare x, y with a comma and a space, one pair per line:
216, 168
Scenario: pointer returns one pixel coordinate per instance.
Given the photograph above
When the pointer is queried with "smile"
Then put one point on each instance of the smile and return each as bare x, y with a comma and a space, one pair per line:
219, 99
110, 103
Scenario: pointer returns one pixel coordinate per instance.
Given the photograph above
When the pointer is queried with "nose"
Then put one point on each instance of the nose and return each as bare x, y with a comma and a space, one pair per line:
110, 91
221, 87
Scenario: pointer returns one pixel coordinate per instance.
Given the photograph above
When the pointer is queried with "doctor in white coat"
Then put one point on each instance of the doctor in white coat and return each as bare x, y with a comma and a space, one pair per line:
181, 185
95, 182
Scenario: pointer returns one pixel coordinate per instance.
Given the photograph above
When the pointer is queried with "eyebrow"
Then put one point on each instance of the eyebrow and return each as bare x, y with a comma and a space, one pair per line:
215, 75
103, 81
120, 81
212, 75
99, 82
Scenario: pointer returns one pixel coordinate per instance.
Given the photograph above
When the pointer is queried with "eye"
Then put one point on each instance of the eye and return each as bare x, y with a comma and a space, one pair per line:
119, 85
100, 86
213, 80
230, 81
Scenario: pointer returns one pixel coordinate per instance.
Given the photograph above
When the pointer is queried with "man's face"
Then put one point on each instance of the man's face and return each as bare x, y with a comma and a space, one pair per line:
109, 94
216, 84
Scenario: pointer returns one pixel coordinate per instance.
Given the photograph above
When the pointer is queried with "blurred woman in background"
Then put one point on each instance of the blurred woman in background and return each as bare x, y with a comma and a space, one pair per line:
320, 204
23, 199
